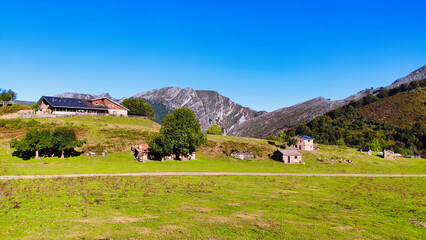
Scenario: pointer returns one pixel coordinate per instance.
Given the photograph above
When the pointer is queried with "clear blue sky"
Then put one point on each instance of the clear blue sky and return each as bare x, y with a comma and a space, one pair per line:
261, 54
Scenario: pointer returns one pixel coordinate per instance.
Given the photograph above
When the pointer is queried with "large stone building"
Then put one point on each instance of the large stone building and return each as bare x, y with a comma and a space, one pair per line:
114, 108
304, 143
75, 106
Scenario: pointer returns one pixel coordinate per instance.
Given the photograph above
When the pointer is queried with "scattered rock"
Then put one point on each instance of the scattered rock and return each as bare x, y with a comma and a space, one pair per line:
241, 154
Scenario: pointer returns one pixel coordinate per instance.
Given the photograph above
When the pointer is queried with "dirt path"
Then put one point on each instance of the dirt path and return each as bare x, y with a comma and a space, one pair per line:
209, 174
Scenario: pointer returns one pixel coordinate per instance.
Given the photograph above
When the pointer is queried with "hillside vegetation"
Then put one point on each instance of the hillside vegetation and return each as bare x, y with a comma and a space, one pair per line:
401, 110
394, 118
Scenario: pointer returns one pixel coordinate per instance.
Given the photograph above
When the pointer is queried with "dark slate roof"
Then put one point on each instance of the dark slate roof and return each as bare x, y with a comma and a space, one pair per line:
305, 137
363, 149
290, 152
62, 102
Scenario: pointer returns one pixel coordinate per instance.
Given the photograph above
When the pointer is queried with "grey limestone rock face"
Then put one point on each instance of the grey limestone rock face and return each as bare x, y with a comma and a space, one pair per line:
209, 106
84, 96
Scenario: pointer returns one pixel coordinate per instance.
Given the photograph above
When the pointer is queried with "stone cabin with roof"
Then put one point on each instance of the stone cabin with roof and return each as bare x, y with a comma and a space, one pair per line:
288, 156
304, 143
76, 106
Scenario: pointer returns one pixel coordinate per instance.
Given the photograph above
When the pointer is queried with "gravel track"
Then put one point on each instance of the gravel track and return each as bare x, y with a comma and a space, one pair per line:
208, 174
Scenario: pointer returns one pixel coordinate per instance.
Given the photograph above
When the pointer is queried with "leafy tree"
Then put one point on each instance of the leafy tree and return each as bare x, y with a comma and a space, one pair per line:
64, 138
139, 107
34, 141
341, 142
180, 134
35, 106
12, 94
214, 129
284, 139
375, 145
7, 95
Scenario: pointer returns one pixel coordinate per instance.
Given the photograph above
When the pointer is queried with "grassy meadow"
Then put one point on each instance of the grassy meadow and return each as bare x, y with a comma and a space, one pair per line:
115, 135
200, 207
212, 207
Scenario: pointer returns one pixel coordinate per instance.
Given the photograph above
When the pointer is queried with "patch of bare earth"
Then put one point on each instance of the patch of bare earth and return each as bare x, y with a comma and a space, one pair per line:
119, 219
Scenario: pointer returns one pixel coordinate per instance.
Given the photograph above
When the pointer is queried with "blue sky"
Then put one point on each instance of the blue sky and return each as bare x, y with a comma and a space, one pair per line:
261, 54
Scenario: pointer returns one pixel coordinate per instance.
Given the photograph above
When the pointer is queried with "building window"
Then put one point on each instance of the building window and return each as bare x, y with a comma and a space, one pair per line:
295, 157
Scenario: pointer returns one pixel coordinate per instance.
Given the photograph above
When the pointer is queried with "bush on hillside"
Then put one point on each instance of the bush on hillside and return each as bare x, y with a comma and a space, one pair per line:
214, 129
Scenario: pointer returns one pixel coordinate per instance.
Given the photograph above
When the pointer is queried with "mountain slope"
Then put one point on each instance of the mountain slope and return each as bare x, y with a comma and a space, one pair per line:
84, 95
272, 123
400, 110
209, 106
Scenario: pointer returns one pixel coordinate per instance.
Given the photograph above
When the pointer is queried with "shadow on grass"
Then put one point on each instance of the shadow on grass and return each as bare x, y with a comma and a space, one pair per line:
27, 155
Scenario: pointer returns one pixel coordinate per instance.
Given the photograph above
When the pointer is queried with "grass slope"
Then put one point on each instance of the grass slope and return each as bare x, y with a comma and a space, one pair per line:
207, 207
400, 110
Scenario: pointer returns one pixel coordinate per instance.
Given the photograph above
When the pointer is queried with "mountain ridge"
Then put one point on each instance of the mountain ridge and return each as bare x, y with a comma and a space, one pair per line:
211, 107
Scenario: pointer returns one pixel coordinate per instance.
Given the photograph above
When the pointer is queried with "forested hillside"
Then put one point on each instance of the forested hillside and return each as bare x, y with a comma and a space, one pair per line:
393, 119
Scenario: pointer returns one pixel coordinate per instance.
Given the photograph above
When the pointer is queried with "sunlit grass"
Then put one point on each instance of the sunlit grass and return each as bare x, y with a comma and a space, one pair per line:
208, 207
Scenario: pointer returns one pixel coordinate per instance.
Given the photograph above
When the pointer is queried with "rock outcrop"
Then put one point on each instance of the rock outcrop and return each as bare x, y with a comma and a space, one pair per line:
209, 106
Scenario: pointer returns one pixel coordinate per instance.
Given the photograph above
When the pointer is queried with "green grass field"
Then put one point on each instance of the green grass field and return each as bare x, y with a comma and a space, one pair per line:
208, 207
202, 207
116, 135
124, 162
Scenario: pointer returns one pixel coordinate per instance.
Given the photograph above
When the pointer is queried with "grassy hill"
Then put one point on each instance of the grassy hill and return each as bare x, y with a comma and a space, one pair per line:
401, 110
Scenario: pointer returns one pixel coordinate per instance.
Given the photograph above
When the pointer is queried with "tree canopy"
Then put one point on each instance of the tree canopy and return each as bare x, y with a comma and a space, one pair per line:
36, 140
214, 129
139, 107
180, 134
7, 95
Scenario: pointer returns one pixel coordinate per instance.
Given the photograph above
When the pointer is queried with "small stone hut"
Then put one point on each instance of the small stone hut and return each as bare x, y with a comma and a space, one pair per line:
141, 152
288, 156
365, 151
388, 154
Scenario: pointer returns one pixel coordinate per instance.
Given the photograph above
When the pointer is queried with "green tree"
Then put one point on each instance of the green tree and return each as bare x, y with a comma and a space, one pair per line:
180, 134
375, 145
12, 94
341, 142
35, 106
214, 129
139, 107
34, 141
284, 139
63, 139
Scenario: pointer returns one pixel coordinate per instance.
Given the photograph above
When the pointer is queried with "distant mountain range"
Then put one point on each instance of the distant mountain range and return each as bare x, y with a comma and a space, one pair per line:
211, 107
